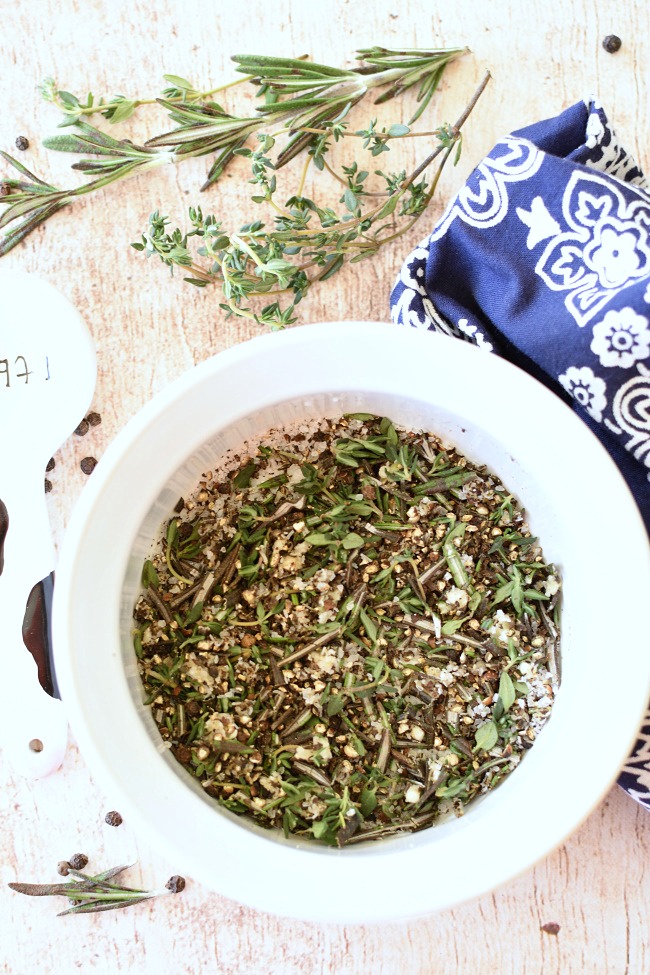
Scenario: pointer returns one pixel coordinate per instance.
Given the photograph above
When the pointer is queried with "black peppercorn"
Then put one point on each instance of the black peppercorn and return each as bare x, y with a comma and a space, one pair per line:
612, 43
88, 465
63, 868
48, 485
78, 861
113, 818
5, 189
175, 884
22, 143
82, 429
94, 419
51, 464
183, 754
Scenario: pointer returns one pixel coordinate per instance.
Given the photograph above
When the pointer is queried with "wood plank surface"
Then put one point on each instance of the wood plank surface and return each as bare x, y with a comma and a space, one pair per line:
149, 328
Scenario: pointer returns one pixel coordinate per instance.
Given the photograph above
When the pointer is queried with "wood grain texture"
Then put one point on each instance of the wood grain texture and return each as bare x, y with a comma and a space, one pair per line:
149, 328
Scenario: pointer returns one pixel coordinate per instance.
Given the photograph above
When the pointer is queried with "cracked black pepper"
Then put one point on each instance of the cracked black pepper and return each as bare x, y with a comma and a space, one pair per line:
348, 631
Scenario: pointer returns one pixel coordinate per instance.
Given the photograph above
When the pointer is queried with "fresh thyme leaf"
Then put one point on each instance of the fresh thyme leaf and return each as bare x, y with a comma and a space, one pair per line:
243, 477
507, 693
319, 538
452, 626
368, 625
486, 736
368, 802
149, 575
335, 705
353, 540
178, 82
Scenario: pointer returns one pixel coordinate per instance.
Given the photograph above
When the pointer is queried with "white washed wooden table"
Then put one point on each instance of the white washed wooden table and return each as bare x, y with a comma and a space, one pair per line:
148, 329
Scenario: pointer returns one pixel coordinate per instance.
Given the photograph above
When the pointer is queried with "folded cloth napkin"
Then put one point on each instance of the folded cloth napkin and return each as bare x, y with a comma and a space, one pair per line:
544, 258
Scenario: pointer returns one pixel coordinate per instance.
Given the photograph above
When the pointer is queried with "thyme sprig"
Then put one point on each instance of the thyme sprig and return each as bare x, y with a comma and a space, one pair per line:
118, 108
91, 894
306, 242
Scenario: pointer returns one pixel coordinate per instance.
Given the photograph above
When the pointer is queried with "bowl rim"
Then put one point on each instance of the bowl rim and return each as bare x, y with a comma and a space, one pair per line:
332, 895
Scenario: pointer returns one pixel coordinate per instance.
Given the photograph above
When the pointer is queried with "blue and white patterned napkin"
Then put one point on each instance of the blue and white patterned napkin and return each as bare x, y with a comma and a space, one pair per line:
544, 258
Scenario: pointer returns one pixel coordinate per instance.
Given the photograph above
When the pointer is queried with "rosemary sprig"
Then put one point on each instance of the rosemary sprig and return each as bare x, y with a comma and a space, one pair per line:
319, 94
91, 894
32, 201
410, 67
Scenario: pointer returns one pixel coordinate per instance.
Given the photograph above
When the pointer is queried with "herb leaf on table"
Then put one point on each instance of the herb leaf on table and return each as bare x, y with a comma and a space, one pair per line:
91, 894
304, 105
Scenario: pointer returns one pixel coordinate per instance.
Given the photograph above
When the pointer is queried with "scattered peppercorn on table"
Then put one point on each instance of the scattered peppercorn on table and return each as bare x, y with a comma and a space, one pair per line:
583, 909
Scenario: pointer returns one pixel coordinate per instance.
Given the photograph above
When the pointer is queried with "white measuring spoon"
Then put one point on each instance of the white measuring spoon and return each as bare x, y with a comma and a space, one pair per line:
47, 378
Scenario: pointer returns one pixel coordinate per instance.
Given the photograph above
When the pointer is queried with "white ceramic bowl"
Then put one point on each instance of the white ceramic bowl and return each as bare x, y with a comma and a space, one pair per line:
578, 505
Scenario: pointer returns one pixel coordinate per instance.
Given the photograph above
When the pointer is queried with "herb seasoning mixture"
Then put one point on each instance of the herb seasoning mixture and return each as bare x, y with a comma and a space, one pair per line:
349, 632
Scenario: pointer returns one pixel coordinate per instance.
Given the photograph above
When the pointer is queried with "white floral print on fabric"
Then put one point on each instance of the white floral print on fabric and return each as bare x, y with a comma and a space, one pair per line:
587, 389
635, 774
607, 154
474, 334
486, 205
412, 272
409, 308
604, 248
621, 338
614, 256
414, 308
539, 221
631, 411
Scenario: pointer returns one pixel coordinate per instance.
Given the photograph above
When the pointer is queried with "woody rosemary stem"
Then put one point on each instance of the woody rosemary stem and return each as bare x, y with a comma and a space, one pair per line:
465, 114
